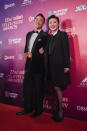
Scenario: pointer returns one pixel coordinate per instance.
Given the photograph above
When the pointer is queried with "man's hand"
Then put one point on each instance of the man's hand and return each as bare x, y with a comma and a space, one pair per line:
41, 50
28, 54
25, 55
66, 70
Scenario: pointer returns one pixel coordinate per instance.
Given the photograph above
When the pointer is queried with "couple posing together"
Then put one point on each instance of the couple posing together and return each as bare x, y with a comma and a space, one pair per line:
47, 56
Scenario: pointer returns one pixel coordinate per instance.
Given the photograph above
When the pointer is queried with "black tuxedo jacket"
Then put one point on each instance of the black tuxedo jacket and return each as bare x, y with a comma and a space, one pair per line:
36, 63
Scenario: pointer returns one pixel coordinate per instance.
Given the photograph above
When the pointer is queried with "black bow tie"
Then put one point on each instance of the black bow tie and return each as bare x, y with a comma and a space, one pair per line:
35, 32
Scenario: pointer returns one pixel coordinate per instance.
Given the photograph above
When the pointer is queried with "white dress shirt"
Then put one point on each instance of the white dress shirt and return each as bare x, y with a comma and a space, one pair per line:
54, 33
32, 40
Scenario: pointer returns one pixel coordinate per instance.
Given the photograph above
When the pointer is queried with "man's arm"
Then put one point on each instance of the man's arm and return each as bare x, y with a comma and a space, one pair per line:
27, 54
26, 44
45, 40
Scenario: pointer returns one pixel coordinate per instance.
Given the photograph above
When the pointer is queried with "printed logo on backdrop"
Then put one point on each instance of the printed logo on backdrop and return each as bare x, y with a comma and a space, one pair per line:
15, 76
81, 108
1, 45
12, 23
83, 83
30, 18
26, 2
2, 75
42, 0
0, 56
9, 57
46, 104
20, 56
6, 6
65, 102
58, 12
14, 41
11, 95
81, 8
0, 42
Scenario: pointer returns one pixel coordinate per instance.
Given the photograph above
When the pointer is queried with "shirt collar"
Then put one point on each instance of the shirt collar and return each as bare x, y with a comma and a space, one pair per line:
38, 30
54, 33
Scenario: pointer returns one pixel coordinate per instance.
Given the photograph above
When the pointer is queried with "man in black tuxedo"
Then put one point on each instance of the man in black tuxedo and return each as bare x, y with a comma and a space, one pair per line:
34, 69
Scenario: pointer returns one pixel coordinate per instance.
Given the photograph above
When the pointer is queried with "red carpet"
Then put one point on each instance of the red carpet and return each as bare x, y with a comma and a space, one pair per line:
9, 121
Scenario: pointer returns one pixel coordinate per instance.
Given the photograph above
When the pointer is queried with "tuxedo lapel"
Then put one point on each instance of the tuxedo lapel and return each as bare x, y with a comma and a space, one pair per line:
38, 37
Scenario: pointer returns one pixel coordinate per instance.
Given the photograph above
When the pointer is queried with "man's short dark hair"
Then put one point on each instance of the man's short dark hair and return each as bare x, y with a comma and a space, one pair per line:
53, 16
40, 14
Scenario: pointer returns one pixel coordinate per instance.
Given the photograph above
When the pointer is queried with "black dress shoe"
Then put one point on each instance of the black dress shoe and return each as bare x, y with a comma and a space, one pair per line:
35, 114
23, 112
57, 119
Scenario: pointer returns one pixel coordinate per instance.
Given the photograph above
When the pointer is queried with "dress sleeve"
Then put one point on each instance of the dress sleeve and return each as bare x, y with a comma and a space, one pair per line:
66, 51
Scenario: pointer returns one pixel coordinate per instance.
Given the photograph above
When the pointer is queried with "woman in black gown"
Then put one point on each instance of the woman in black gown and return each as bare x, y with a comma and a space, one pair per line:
58, 62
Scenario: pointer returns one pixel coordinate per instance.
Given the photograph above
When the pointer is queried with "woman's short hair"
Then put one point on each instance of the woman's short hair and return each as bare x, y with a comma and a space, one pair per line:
53, 16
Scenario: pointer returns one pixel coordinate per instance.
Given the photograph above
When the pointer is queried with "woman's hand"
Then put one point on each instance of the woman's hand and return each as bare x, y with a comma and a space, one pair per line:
66, 70
41, 50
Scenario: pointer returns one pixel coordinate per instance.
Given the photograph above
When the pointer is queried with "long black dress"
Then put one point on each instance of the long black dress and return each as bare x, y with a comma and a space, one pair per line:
58, 59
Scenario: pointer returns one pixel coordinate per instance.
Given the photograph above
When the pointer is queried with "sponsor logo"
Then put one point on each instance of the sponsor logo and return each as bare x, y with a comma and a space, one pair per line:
26, 2
65, 102
85, 80
9, 57
1, 75
81, 108
84, 83
0, 42
30, 18
12, 23
81, 8
11, 95
58, 12
16, 76
6, 6
20, 57
14, 41
46, 104
42, 0
0, 56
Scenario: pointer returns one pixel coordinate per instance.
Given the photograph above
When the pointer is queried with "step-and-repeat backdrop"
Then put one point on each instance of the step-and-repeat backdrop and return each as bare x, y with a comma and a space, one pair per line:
16, 19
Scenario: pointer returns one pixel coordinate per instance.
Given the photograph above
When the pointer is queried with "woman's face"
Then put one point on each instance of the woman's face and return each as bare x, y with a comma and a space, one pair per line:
53, 24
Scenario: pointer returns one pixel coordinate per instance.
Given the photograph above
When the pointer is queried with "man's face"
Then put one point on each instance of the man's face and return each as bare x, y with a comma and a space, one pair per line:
38, 22
53, 24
